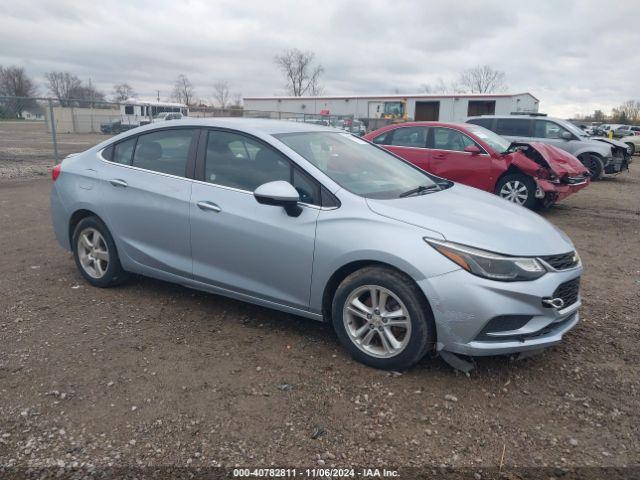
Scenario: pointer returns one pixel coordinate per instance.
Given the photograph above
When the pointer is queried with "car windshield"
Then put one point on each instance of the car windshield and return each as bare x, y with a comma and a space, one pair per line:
495, 141
359, 166
572, 128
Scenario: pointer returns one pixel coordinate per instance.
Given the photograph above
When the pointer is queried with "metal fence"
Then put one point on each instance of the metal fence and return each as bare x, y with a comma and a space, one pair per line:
42, 127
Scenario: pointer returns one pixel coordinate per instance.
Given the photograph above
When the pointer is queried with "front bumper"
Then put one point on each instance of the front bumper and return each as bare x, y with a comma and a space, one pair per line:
469, 310
559, 191
619, 162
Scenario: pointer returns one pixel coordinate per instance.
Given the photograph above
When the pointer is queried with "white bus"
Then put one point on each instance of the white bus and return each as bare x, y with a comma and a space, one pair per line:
134, 113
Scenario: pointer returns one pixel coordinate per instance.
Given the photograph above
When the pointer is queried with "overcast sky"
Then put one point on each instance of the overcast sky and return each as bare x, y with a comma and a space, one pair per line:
575, 56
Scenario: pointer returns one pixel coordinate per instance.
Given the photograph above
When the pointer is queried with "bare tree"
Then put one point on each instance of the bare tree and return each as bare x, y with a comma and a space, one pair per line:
14, 82
221, 93
70, 91
482, 79
183, 91
63, 85
122, 92
301, 75
237, 100
629, 111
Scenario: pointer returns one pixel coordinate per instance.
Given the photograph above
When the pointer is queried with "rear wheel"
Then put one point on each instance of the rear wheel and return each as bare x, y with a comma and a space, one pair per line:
594, 164
382, 318
95, 254
518, 188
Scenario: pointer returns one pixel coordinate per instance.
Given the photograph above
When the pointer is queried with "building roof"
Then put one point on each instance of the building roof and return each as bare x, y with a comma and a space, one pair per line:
394, 96
139, 101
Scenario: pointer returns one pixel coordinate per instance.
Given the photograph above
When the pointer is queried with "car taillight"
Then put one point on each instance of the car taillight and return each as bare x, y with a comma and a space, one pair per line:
55, 173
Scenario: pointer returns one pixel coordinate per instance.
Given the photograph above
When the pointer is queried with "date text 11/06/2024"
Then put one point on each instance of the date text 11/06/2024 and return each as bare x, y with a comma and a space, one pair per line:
315, 472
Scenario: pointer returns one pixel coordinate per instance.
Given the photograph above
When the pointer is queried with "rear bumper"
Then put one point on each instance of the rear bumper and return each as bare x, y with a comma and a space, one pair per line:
59, 219
560, 191
476, 316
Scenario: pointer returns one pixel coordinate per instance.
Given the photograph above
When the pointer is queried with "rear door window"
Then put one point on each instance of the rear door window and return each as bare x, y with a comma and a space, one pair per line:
409, 137
483, 122
164, 151
513, 127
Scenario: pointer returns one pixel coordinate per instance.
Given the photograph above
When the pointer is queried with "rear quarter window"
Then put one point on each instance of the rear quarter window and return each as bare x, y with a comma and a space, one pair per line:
107, 153
384, 138
123, 151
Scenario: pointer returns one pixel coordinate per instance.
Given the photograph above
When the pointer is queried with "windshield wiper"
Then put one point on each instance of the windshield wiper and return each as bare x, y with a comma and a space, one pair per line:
419, 190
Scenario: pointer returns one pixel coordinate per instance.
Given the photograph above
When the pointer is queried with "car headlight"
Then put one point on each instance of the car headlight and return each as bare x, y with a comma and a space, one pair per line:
488, 264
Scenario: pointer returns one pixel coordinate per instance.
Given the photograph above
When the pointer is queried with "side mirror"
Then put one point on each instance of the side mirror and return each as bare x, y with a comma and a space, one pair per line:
472, 149
566, 136
281, 194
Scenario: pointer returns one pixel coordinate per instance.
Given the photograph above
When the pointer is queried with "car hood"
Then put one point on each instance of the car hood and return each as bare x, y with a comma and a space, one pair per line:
479, 219
610, 141
561, 162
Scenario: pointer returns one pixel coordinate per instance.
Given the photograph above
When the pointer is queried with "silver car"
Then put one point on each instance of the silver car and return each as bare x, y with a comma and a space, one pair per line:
600, 155
316, 222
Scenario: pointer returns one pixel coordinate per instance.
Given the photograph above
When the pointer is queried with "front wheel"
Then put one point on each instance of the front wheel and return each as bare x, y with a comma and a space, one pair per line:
594, 164
632, 148
518, 188
382, 319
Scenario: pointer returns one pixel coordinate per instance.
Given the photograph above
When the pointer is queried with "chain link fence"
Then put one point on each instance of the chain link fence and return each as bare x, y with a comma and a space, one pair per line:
36, 132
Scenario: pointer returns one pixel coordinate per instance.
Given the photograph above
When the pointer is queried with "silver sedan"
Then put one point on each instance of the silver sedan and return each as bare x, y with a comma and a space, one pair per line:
319, 223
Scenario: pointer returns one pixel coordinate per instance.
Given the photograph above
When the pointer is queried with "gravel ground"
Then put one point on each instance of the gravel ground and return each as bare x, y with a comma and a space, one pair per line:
26, 148
156, 374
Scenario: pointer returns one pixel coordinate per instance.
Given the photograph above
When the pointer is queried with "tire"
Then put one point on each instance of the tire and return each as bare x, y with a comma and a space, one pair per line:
632, 148
594, 164
95, 254
518, 188
414, 333
544, 203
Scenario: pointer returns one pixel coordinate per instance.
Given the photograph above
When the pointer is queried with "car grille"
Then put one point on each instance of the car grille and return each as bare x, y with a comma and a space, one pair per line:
563, 261
575, 180
568, 292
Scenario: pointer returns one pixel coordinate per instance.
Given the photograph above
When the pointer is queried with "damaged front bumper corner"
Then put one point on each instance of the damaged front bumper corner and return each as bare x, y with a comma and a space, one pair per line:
558, 191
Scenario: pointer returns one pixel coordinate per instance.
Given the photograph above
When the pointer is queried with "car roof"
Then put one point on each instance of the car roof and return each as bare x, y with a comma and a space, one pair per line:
424, 124
465, 127
249, 125
518, 117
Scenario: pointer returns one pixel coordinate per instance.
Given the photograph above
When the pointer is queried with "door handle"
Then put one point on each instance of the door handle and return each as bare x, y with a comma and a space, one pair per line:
210, 206
118, 183
440, 155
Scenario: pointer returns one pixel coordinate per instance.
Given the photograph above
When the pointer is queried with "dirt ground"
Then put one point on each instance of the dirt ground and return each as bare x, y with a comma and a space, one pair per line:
156, 374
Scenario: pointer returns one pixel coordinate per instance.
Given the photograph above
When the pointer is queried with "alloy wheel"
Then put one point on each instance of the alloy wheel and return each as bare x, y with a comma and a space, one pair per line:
93, 252
377, 321
515, 191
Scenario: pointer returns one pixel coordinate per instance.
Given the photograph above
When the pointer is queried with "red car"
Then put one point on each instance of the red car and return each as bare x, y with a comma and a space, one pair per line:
531, 174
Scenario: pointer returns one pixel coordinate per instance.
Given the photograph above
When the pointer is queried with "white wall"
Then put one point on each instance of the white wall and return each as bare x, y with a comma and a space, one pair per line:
452, 109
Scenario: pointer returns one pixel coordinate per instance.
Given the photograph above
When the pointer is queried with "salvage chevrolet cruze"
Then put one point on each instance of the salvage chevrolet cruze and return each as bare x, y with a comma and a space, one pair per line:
319, 223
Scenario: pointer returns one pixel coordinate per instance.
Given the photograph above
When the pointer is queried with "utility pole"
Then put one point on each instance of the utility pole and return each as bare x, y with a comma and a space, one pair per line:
158, 95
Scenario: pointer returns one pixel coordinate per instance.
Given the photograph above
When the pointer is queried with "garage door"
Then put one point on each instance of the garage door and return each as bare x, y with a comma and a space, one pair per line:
427, 111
